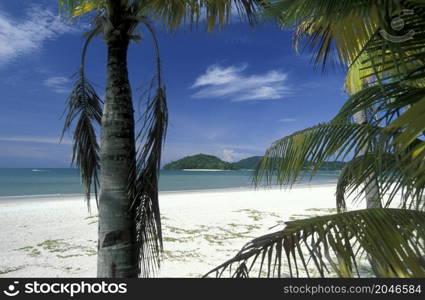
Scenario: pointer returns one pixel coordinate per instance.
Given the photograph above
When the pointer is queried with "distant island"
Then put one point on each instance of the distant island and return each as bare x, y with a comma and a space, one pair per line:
211, 162
249, 163
200, 161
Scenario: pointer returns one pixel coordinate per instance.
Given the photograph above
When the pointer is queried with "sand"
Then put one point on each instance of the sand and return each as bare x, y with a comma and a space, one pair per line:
57, 237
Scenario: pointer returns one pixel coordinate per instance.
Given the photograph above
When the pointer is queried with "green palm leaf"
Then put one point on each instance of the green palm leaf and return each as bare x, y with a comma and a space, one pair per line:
339, 30
337, 245
174, 13
401, 108
85, 107
387, 172
287, 158
386, 77
388, 100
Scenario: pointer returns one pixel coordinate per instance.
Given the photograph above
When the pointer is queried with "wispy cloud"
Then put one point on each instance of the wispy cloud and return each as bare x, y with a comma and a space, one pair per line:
230, 155
20, 37
38, 140
287, 120
235, 84
58, 84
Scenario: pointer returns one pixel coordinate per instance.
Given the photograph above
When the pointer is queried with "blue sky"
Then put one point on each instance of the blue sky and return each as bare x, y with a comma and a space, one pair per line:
231, 93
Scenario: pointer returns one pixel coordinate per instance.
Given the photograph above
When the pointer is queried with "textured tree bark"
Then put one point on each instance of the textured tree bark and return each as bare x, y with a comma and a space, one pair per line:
117, 255
371, 190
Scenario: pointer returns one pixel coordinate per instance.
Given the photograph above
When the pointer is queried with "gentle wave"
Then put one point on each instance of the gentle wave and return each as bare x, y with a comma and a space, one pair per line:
60, 182
40, 196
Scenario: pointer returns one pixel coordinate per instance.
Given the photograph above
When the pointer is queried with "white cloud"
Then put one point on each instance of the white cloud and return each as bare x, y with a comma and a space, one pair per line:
231, 155
20, 37
232, 83
217, 75
228, 152
287, 120
58, 84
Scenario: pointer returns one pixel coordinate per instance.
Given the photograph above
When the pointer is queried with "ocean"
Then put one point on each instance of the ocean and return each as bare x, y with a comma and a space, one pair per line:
42, 182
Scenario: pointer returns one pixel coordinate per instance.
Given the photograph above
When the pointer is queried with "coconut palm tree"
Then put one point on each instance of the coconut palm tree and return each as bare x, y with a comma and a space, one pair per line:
129, 218
386, 76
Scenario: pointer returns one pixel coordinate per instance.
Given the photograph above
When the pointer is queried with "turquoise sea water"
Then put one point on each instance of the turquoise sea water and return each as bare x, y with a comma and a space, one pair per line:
22, 182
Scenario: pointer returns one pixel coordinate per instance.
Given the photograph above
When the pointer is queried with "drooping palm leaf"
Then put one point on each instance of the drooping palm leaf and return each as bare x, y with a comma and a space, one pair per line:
337, 245
85, 106
144, 179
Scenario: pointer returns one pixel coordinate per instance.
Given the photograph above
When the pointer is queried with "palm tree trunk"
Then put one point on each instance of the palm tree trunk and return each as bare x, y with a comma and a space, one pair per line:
117, 255
372, 188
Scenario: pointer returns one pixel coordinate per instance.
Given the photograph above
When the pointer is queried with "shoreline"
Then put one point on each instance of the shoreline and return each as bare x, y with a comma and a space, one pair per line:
45, 197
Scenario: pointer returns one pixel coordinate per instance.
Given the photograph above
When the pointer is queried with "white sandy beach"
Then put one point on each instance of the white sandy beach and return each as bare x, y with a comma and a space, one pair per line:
56, 237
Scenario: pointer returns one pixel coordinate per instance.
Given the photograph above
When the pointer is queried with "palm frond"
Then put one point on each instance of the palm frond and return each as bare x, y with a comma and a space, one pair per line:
385, 60
400, 107
358, 76
359, 174
388, 100
411, 142
76, 8
287, 158
192, 12
339, 245
339, 28
387, 172
85, 107
328, 27
144, 178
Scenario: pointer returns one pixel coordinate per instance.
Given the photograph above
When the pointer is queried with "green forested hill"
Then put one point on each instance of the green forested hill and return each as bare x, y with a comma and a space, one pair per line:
248, 163
204, 161
199, 161
252, 162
